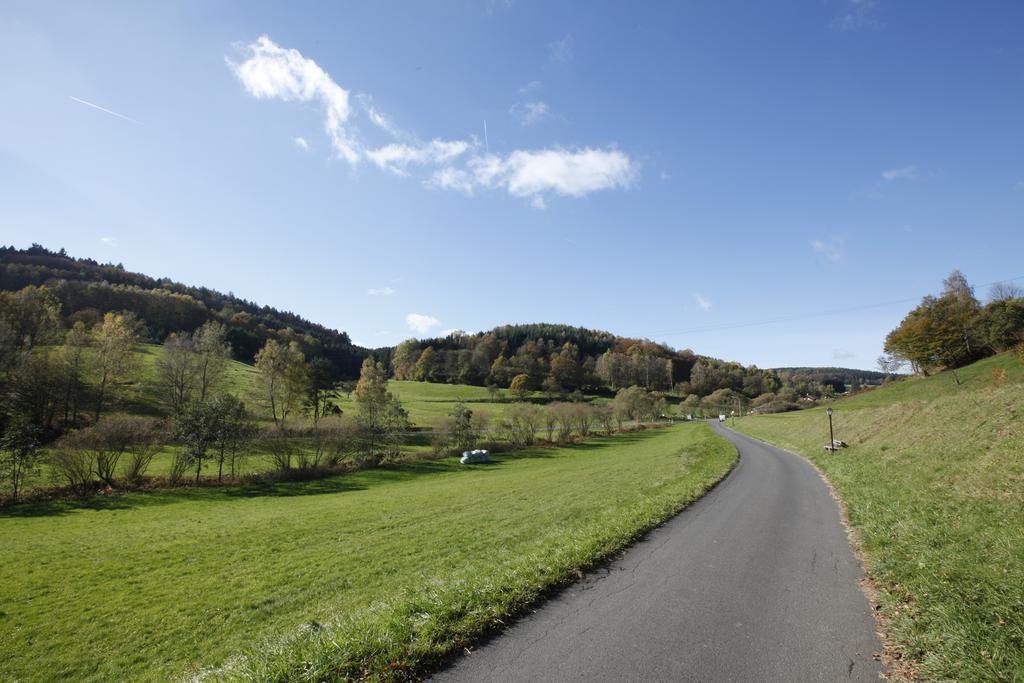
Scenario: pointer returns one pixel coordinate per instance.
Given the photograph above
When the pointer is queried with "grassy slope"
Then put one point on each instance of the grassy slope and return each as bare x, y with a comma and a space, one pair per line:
934, 483
404, 562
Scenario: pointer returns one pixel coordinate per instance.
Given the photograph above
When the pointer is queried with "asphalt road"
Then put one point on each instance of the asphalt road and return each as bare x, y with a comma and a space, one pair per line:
754, 582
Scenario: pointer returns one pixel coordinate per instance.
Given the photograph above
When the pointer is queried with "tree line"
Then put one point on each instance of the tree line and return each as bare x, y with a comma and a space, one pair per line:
954, 328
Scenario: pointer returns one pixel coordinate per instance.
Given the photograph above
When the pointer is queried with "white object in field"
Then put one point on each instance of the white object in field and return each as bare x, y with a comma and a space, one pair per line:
721, 418
475, 456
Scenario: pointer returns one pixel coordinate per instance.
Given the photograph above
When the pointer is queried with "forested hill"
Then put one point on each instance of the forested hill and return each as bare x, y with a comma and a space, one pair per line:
840, 379
87, 289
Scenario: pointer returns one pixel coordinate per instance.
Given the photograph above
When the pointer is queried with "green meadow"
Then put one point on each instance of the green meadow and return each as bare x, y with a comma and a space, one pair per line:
382, 571
933, 480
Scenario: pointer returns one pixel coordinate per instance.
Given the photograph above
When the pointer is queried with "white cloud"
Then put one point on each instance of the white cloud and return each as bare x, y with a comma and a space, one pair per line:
561, 50
380, 291
451, 178
857, 14
271, 71
832, 250
530, 113
530, 87
569, 173
904, 173
704, 303
379, 118
109, 241
397, 157
665, 176
447, 333
421, 324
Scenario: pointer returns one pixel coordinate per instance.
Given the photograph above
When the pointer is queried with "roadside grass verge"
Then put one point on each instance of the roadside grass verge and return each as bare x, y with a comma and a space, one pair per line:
934, 485
379, 573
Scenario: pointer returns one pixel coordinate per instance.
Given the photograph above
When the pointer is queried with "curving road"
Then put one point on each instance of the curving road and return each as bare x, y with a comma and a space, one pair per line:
754, 582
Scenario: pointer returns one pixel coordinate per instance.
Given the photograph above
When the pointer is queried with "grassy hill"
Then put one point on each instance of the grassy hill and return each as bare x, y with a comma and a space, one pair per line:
933, 481
426, 403
384, 569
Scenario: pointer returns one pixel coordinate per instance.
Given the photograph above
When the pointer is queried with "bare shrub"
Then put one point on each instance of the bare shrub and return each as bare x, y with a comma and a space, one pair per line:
147, 437
72, 465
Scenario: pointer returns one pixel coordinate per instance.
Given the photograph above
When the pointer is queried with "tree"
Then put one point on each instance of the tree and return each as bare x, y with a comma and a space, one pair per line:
690, 405
197, 428
520, 386
403, 360
426, 365
632, 403
177, 371
113, 360
34, 388
462, 431
891, 363
282, 379
1004, 291
31, 317
942, 332
234, 429
213, 352
19, 452
1002, 324
322, 389
73, 360
379, 414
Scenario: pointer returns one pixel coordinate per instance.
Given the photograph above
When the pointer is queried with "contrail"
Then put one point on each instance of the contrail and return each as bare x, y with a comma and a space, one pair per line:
486, 143
96, 106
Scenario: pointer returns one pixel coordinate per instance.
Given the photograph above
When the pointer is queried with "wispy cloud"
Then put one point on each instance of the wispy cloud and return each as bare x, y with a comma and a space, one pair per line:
902, 173
1019, 186
702, 301
561, 50
530, 87
301, 143
103, 109
271, 71
665, 175
843, 354
530, 113
421, 324
380, 291
833, 250
448, 333
857, 14
398, 157
109, 241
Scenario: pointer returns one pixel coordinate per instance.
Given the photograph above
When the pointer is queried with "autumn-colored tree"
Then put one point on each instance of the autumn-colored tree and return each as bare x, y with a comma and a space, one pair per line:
112, 359
379, 414
282, 379
520, 386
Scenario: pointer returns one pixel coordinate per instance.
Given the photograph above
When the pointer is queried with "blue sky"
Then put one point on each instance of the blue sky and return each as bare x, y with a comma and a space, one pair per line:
673, 170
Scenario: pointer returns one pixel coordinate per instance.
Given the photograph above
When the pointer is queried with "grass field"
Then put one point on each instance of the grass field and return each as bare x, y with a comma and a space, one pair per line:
934, 484
399, 564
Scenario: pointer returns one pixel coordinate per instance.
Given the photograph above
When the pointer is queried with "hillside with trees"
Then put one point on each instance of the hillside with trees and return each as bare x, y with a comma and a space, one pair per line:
86, 290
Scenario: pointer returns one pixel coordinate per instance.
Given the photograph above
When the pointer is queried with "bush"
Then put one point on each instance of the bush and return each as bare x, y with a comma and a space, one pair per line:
72, 466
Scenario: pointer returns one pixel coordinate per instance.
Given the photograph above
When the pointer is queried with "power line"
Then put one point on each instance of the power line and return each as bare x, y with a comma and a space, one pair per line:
805, 316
